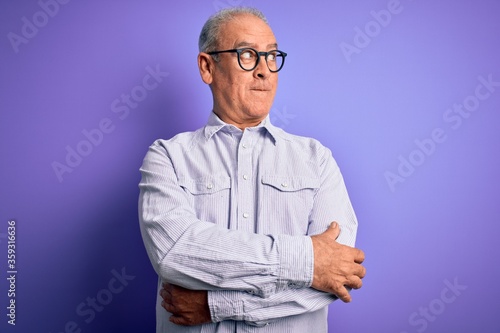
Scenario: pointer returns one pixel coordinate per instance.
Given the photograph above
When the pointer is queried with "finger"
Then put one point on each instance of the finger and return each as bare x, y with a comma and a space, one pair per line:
164, 305
181, 320
166, 295
359, 256
177, 320
354, 282
343, 294
168, 286
355, 270
169, 307
360, 271
333, 230
174, 290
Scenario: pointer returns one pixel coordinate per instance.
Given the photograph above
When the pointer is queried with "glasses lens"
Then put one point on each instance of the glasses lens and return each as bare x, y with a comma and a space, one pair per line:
248, 59
275, 60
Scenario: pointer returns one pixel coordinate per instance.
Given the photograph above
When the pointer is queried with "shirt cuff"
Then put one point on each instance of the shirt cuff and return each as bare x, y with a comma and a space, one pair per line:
296, 262
225, 305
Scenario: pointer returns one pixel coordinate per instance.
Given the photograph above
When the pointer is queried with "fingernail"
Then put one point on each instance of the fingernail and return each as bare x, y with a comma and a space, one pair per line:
334, 225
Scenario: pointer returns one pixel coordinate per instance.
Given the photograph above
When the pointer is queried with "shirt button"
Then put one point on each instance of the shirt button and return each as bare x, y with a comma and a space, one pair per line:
210, 186
245, 177
244, 145
284, 184
246, 215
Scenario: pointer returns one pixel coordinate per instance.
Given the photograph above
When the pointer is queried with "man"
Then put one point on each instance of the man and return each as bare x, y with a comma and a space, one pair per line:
237, 216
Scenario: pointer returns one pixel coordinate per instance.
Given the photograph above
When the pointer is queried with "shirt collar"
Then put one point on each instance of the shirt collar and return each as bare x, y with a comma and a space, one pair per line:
215, 124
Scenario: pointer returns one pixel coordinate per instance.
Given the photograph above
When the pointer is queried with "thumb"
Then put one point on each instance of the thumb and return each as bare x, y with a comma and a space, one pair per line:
334, 230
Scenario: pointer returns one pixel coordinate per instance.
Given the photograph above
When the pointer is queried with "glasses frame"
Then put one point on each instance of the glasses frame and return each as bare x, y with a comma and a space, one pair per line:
265, 54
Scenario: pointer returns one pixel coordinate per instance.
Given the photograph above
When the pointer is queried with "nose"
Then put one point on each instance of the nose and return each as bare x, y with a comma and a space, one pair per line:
262, 71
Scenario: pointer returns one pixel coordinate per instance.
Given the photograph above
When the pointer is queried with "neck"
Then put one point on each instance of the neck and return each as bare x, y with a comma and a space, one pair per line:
240, 123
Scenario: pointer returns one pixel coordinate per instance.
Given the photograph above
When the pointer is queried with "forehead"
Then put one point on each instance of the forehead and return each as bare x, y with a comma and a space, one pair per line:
248, 29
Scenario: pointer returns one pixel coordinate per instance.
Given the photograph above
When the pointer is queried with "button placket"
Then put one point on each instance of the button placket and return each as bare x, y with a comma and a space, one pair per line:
245, 187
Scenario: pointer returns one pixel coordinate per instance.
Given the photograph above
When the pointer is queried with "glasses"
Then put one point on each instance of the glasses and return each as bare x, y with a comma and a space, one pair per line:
249, 58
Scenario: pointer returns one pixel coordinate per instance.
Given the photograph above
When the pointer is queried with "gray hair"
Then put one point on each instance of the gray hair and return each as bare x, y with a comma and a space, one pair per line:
209, 35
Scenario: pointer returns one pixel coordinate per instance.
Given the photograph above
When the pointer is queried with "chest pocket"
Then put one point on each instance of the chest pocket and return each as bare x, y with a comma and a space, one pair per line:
287, 201
290, 184
210, 197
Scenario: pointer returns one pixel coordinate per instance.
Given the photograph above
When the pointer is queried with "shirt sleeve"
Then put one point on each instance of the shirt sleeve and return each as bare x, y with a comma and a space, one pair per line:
200, 255
331, 203
258, 311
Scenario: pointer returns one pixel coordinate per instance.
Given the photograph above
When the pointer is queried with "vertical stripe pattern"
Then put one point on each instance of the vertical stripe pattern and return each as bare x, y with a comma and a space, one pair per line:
230, 211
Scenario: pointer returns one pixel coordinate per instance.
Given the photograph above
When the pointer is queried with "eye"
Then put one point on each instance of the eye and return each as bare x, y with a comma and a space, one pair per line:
247, 55
271, 56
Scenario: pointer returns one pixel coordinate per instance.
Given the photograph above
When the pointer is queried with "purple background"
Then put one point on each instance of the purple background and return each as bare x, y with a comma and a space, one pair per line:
439, 226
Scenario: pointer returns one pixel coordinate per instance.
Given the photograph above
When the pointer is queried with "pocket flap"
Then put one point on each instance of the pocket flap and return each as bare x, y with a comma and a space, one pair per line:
290, 184
206, 185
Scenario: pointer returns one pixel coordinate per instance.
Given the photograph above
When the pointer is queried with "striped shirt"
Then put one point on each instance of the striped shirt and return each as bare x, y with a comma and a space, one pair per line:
230, 211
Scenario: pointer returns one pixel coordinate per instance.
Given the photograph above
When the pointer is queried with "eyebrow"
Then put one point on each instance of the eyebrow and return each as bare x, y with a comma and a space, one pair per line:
247, 44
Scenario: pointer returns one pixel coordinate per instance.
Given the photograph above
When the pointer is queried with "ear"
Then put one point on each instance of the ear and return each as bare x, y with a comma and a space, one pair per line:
206, 65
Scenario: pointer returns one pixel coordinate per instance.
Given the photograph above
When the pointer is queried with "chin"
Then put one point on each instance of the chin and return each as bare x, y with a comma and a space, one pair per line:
261, 113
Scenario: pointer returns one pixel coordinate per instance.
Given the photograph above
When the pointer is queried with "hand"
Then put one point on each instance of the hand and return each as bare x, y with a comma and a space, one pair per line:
336, 266
188, 307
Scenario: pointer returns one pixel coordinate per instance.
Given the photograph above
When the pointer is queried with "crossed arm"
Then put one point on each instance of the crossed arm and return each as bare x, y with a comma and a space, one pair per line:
334, 266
